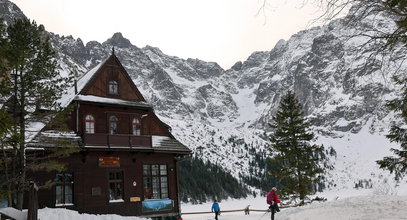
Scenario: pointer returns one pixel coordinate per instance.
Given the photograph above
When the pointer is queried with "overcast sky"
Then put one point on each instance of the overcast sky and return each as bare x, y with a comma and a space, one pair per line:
224, 31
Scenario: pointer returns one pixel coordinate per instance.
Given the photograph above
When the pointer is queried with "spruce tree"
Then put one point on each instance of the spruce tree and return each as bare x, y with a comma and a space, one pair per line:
29, 69
398, 134
295, 163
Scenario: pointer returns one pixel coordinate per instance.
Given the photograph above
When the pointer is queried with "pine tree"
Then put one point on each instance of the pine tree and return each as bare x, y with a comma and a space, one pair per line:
296, 163
31, 84
201, 180
398, 134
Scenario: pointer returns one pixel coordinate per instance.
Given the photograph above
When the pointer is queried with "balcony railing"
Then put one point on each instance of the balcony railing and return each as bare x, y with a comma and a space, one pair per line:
115, 140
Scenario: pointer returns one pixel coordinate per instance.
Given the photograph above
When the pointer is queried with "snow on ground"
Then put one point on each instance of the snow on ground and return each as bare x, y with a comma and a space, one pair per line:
66, 214
352, 208
360, 208
355, 164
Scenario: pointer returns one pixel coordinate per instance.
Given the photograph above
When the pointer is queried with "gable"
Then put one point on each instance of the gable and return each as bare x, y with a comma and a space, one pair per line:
112, 74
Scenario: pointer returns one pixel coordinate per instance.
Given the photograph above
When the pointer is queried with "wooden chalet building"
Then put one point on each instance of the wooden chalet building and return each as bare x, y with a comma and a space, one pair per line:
127, 163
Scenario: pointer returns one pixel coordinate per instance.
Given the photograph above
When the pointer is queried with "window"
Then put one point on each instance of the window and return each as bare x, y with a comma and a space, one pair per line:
64, 189
113, 124
136, 127
116, 186
89, 124
113, 87
155, 181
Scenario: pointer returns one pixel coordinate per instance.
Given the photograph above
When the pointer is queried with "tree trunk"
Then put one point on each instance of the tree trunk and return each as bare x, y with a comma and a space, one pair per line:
13, 174
22, 168
9, 184
21, 186
300, 185
33, 202
300, 180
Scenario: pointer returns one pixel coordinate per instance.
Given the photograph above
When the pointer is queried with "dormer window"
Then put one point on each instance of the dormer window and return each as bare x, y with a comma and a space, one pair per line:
136, 127
89, 124
113, 124
113, 87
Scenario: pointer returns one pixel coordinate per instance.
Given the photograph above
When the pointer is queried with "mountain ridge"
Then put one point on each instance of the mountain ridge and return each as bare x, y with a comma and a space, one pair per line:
223, 115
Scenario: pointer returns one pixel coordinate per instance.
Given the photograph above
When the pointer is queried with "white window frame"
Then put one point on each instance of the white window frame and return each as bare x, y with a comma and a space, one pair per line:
136, 125
113, 87
113, 121
89, 124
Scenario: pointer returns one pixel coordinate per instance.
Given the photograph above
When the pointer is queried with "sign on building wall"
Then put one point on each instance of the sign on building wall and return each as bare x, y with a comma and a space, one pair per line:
157, 205
109, 162
135, 199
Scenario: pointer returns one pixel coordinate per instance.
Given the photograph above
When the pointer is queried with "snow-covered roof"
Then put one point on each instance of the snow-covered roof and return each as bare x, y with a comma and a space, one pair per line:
164, 143
161, 144
70, 94
32, 129
98, 99
13, 213
53, 138
157, 140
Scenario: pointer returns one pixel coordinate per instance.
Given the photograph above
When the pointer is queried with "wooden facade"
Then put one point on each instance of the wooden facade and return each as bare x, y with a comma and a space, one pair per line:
127, 163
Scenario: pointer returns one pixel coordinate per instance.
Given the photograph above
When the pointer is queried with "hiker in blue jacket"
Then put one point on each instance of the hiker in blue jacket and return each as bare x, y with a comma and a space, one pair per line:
216, 209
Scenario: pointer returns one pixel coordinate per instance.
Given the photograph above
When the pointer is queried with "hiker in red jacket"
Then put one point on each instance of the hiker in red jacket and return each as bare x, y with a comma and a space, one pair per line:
272, 200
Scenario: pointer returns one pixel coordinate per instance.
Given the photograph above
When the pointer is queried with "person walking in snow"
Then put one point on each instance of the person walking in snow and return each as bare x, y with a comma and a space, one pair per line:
272, 201
215, 208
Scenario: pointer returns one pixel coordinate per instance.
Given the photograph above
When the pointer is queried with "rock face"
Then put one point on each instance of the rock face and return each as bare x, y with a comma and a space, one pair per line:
223, 114
9, 11
322, 65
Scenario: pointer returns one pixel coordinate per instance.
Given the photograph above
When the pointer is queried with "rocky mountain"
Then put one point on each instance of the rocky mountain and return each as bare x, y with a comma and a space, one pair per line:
341, 77
9, 11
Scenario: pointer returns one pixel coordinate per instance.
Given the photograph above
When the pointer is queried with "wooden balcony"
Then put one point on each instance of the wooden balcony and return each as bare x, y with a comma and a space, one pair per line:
117, 140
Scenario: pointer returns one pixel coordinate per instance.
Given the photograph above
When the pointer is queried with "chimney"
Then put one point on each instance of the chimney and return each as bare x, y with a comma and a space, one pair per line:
74, 73
75, 86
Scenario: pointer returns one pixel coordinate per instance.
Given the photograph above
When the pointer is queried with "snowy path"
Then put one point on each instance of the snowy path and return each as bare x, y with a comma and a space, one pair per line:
352, 208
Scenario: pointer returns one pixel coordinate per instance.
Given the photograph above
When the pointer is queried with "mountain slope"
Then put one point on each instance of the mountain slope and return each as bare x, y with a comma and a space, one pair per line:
223, 115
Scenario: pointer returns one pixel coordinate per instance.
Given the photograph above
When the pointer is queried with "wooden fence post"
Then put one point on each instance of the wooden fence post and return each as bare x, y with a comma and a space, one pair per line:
33, 202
